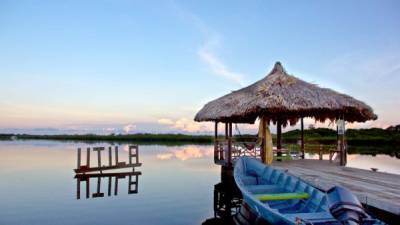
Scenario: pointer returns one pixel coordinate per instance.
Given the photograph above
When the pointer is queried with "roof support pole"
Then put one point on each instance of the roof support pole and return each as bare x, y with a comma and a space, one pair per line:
279, 139
263, 146
216, 153
216, 132
343, 150
226, 131
302, 138
230, 144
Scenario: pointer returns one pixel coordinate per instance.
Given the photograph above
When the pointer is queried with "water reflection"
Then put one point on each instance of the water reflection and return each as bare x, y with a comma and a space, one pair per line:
133, 183
186, 153
172, 192
227, 199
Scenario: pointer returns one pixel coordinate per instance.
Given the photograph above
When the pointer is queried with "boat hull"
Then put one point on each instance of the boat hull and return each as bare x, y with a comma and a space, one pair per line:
280, 198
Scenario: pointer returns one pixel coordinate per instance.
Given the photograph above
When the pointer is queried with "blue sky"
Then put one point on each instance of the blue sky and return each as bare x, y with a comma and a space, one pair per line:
149, 66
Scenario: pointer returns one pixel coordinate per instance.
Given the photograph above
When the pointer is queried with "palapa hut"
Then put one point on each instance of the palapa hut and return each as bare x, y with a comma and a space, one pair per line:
282, 99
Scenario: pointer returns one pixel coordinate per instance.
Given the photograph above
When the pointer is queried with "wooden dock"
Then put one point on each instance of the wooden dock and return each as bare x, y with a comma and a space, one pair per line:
376, 189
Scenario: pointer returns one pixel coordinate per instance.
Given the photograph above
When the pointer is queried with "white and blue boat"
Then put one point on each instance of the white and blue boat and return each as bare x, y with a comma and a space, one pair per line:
280, 198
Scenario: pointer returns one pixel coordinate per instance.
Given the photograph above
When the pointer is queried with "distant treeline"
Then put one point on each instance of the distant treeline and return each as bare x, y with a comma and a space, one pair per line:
145, 137
353, 136
318, 135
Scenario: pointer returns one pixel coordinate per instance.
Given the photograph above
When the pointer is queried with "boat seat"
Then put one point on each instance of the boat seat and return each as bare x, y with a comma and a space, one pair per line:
282, 196
263, 188
249, 180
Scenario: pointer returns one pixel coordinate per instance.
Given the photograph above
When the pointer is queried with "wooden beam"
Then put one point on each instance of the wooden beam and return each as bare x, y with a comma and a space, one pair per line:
121, 165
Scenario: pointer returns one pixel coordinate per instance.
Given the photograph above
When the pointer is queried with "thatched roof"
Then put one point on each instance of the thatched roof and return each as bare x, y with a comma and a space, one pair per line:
287, 98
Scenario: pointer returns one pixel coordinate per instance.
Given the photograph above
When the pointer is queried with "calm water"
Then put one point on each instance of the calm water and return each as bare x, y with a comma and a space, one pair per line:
176, 186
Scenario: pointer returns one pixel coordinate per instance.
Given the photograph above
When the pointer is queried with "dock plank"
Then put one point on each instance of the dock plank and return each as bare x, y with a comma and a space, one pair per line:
376, 189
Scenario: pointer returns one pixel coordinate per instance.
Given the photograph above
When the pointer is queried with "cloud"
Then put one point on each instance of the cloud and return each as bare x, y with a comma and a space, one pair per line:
128, 128
218, 67
165, 121
207, 51
187, 125
186, 153
164, 156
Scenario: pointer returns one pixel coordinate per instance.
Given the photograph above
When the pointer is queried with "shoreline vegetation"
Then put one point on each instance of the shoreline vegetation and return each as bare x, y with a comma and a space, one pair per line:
315, 136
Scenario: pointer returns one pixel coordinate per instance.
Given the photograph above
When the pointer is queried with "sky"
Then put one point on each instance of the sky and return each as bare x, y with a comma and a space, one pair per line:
149, 66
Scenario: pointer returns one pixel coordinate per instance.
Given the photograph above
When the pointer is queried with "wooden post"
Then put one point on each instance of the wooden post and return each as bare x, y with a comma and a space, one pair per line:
135, 154
224, 153
230, 144
343, 152
98, 194
264, 133
133, 183
79, 158
320, 152
279, 135
109, 156
226, 131
337, 133
98, 149
109, 185
78, 188
88, 157
130, 154
341, 132
116, 155
216, 132
116, 186
302, 139
216, 142
87, 181
279, 140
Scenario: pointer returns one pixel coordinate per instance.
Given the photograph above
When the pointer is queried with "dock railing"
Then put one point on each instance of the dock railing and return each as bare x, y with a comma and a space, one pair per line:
238, 149
252, 149
321, 149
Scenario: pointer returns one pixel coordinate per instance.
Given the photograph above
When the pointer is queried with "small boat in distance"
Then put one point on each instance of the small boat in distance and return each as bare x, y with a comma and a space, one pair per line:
280, 198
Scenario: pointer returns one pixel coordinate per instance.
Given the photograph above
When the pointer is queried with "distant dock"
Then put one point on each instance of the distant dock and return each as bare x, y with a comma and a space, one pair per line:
374, 189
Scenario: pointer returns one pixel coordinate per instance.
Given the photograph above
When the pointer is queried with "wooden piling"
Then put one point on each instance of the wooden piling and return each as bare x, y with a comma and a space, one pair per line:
98, 150
79, 158
88, 157
109, 156
116, 155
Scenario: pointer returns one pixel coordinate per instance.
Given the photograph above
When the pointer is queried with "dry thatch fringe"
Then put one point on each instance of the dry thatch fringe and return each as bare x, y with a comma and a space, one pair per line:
280, 96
